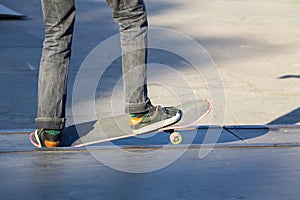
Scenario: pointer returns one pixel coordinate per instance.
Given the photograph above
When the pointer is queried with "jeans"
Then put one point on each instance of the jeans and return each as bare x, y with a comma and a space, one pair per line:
59, 18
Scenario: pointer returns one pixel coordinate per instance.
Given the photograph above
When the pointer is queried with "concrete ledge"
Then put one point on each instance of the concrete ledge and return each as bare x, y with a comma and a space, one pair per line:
16, 131
268, 126
17, 140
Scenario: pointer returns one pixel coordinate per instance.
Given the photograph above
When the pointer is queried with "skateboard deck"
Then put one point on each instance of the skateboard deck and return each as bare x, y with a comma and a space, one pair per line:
117, 127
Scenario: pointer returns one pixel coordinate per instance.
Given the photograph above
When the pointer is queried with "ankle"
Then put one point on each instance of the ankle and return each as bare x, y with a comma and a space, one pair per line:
52, 132
52, 135
138, 115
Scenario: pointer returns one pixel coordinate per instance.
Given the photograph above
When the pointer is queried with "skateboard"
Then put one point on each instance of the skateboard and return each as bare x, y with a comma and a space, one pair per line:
117, 127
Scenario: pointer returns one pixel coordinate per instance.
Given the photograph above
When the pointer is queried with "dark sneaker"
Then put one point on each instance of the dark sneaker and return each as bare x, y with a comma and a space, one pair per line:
45, 138
158, 117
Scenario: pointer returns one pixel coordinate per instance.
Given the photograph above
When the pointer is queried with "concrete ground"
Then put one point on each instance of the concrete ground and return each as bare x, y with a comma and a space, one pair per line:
244, 163
254, 49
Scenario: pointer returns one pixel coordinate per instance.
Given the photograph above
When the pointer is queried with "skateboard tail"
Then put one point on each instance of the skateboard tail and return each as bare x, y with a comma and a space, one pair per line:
99, 141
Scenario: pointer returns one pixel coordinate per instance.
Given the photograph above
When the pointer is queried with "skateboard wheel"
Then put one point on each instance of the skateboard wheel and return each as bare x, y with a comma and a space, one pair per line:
175, 138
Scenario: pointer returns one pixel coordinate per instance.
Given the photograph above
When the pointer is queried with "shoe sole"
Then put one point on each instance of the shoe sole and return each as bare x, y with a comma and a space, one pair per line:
158, 125
51, 144
34, 134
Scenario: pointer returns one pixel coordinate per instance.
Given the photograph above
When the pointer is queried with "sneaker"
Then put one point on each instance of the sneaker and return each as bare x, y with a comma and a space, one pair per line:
157, 118
45, 138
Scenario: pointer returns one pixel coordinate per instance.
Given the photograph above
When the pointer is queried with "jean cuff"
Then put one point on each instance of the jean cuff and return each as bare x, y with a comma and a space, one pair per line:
50, 123
137, 107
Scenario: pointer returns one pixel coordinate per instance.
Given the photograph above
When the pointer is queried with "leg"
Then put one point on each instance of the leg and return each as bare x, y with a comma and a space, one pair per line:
59, 16
131, 16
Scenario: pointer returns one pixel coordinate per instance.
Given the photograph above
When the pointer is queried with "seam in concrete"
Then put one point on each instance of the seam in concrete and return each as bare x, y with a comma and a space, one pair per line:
232, 133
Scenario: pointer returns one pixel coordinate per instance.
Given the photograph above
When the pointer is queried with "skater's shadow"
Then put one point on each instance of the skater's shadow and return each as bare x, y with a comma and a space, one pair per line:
72, 133
202, 135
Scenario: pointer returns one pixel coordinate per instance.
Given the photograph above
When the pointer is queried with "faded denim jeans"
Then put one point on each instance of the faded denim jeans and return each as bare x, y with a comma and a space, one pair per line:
59, 18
